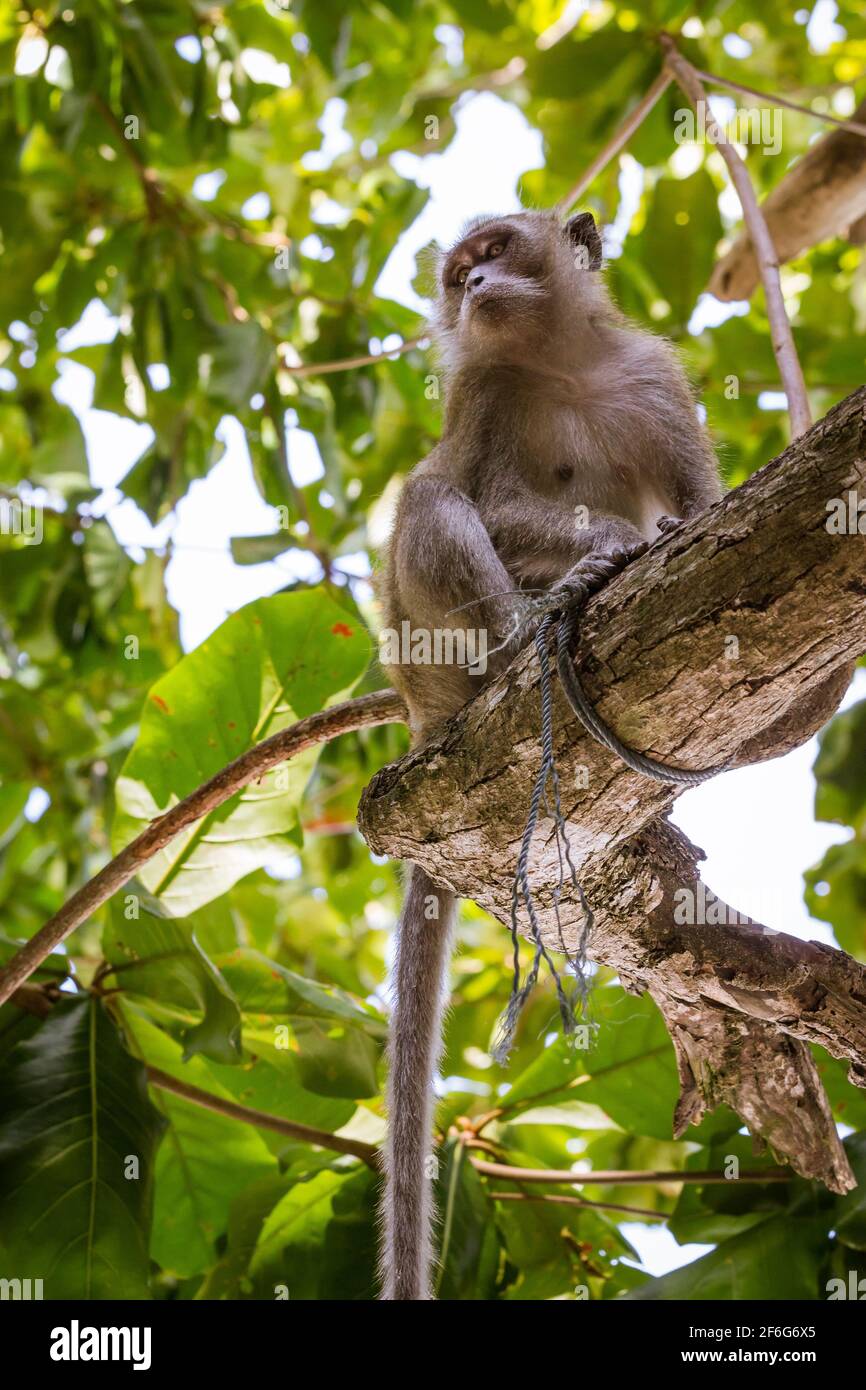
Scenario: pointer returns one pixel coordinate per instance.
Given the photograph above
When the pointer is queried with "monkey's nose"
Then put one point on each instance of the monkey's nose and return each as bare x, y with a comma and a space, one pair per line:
475, 279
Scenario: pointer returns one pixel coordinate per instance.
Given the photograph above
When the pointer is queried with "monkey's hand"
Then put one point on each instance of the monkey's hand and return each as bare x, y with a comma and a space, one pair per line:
666, 524
594, 571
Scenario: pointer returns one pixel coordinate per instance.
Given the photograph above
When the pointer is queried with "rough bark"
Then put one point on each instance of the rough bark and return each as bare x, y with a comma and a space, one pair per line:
821, 196
657, 660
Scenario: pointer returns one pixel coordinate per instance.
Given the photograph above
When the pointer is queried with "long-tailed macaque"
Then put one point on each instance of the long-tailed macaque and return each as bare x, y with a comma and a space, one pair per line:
568, 432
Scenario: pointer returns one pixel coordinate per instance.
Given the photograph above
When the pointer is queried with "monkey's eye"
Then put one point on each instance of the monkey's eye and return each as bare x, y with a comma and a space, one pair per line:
495, 250
462, 275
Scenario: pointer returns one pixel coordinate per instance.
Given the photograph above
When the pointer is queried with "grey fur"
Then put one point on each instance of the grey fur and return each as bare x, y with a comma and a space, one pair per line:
423, 953
554, 401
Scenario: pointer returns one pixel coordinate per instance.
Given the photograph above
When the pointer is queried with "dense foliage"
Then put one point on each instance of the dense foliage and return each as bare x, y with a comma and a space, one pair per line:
263, 987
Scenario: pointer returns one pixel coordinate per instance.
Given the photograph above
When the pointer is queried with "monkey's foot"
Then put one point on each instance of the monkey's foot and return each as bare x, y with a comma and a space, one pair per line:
666, 524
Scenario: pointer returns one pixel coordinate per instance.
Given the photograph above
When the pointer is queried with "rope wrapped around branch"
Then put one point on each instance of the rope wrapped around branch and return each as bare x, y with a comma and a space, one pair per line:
563, 605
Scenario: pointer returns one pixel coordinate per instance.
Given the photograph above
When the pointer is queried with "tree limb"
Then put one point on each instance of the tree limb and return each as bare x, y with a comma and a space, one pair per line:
262, 1120
618, 140
380, 707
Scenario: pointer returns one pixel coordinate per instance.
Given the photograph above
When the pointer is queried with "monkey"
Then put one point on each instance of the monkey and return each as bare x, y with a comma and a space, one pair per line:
569, 432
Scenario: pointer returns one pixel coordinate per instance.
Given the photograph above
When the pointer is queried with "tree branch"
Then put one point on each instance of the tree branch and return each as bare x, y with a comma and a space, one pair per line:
616, 1176
380, 707
262, 1120
633, 120
768, 265
348, 364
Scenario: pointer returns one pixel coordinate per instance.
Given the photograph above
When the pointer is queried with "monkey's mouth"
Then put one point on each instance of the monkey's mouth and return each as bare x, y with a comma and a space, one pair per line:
502, 302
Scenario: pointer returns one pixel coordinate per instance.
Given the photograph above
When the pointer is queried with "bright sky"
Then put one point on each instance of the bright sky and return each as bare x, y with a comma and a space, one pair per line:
756, 824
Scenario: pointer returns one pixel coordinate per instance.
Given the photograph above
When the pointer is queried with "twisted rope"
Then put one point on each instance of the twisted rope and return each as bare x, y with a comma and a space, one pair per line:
564, 603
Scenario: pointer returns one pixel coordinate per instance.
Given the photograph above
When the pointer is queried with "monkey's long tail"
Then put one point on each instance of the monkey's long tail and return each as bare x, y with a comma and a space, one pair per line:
423, 953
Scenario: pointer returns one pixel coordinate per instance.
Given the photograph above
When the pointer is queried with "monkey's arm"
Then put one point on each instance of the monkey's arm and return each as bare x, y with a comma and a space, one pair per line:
540, 540
443, 558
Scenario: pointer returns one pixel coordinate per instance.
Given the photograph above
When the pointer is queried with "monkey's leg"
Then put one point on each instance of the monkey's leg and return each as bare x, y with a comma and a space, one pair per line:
446, 564
423, 953
450, 582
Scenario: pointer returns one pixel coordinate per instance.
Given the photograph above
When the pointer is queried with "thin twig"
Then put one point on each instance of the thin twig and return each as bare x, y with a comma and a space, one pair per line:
262, 1120
609, 1177
379, 707
768, 263
562, 1200
347, 364
856, 127
616, 142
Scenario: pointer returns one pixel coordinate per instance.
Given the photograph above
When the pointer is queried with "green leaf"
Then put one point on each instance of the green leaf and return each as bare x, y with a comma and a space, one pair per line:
468, 1243
319, 1242
204, 1162
271, 663
161, 959
840, 794
631, 1063
849, 1220
775, 1260
78, 1137
336, 1040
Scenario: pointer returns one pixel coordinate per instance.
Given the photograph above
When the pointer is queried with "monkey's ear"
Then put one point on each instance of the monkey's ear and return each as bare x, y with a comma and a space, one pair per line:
583, 235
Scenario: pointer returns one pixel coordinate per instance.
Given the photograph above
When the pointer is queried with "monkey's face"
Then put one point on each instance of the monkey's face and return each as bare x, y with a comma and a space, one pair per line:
507, 276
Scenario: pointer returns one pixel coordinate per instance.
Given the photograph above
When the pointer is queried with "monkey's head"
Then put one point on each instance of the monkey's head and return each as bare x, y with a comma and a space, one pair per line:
511, 281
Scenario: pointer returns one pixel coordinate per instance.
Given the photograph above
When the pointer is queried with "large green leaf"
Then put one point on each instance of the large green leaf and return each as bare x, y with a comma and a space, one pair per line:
631, 1063
775, 1260
161, 959
271, 663
850, 1213
204, 1162
333, 1042
468, 1241
319, 1242
78, 1139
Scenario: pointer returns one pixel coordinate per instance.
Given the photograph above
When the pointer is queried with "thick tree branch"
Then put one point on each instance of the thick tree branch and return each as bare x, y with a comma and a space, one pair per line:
380, 707
726, 643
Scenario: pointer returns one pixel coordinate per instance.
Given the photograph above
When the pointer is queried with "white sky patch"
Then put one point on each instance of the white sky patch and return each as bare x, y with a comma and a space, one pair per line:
263, 67
37, 804
204, 583
30, 54
305, 461
736, 46
256, 208
335, 140
208, 185
758, 830
659, 1252
96, 325
710, 312
772, 400
188, 47
821, 31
